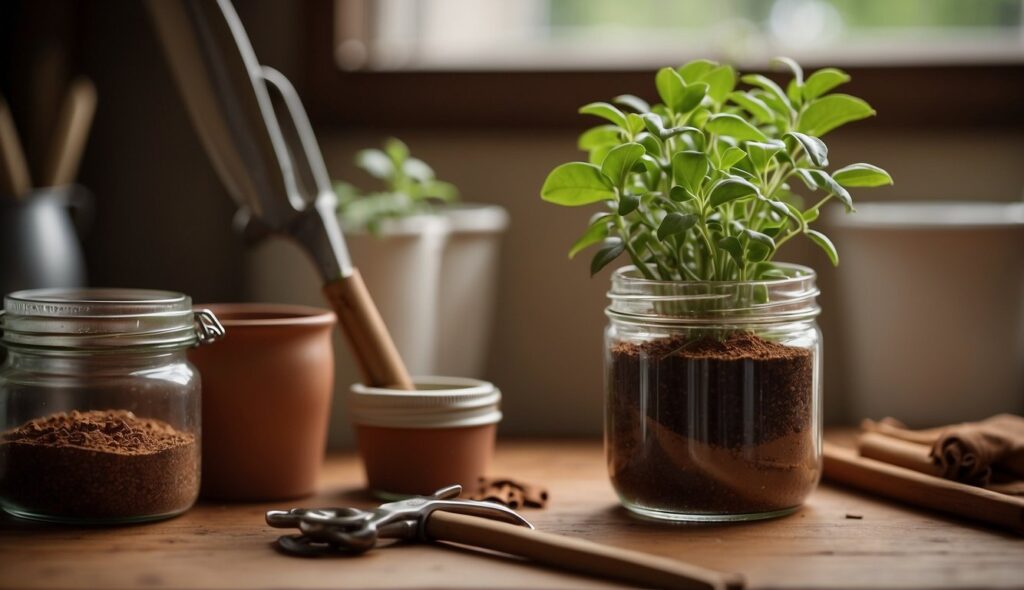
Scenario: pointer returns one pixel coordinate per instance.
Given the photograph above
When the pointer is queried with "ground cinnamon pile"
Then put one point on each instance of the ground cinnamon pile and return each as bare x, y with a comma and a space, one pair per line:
107, 464
712, 425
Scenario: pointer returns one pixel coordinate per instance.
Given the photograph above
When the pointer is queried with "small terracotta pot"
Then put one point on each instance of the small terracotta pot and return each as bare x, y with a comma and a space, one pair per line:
416, 442
266, 401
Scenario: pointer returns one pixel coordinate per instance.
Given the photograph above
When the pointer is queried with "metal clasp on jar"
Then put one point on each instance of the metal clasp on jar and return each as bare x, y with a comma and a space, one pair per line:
208, 327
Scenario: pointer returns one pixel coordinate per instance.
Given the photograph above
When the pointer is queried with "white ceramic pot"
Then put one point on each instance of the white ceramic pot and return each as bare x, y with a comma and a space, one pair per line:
932, 297
468, 288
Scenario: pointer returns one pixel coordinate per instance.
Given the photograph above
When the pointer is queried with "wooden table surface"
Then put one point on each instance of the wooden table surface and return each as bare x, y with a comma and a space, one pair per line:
229, 546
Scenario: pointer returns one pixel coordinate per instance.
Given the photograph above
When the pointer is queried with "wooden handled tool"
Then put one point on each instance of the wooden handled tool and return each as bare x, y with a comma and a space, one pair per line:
14, 176
257, 134
73, 123
367, 335
578, 555
444, 516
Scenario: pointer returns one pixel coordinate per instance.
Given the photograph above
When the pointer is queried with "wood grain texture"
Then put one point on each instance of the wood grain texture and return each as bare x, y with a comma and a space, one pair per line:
229, 546
368, 337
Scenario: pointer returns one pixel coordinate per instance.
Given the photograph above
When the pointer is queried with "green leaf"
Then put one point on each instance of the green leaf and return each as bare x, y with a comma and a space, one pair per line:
620, 160
650, 143
628, 203
675, 223
396, 150
734, 126
692, 96
783, 209
828, 184
862, 175
826, 244
761, 154
598, 136
605, 111
671, 88
792, 66
654, 124
822, 81
794, 90
810, 215
816, 150
759, 246
689, 169
730, 189
376, 163
771, 88
680, 194
575, 184
721, 81
634, 124
733, 246
730, 157
827, 113
753, 105
418, 170
695, 70
611, 250
636, 103
596, 232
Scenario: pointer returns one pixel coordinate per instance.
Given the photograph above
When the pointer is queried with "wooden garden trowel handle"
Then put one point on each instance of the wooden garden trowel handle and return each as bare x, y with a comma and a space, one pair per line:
366, 333
567, 553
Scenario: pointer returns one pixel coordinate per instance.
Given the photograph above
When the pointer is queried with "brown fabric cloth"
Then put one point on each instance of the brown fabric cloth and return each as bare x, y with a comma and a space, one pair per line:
512, 493
985, 453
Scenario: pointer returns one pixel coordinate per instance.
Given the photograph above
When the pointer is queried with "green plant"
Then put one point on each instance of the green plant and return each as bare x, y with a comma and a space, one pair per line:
699, 187
409, 187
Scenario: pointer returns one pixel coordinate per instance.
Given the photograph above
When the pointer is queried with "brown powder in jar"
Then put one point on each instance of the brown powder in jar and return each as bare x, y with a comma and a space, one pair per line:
712, 426
98, 465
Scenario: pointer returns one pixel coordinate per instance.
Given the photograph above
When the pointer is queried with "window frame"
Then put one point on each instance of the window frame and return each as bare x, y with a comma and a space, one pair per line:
938, 96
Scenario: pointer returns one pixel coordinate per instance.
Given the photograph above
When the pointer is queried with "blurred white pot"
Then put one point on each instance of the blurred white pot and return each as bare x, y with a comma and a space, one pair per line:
932, 295
433, 277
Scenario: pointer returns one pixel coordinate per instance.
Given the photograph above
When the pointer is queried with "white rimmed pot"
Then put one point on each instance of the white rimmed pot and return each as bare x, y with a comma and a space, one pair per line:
416, 442
932, 295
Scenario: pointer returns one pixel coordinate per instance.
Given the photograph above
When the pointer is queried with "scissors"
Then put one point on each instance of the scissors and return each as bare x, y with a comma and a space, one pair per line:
352, 530
444, 517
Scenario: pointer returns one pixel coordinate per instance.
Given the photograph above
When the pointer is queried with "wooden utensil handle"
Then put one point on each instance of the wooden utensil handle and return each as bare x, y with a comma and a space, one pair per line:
366, 333
640, 569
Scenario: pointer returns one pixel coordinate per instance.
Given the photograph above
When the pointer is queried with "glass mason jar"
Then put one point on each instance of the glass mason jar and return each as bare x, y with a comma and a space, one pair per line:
99, 407
713, 395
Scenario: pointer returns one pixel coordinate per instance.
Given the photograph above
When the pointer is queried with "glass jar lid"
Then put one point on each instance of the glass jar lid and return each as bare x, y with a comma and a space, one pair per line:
96, 319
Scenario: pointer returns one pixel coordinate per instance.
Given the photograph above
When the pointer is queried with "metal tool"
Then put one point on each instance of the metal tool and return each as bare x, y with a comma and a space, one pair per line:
256, 132
352, 530
483, 525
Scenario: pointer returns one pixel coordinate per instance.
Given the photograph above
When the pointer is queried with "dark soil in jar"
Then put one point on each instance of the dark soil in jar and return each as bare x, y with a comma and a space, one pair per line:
97, 466
712, 426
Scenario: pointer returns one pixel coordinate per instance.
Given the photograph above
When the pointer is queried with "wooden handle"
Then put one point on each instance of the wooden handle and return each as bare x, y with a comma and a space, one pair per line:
14, 176
845, 466
72, 133
366, 333
632, 567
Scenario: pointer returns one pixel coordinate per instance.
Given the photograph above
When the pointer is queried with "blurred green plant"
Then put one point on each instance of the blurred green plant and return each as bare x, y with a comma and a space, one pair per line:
698, 187
409, 187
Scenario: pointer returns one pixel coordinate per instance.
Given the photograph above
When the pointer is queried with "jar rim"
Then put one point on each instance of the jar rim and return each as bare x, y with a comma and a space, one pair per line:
638, 299
103, 319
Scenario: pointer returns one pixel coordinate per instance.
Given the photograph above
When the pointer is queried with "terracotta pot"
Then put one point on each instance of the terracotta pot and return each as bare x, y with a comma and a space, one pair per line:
416, 442
266, 401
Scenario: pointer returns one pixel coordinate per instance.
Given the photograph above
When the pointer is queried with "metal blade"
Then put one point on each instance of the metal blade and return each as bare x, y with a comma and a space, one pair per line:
222, 83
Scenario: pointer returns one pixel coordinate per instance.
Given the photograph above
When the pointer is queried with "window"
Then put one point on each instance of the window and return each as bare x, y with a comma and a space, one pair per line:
425, 35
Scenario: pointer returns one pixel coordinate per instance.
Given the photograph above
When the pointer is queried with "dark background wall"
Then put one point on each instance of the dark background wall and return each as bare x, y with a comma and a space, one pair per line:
163, 219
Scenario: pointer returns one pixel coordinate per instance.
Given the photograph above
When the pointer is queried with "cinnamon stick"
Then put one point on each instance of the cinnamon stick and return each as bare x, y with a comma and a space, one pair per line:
898, 452
843, 465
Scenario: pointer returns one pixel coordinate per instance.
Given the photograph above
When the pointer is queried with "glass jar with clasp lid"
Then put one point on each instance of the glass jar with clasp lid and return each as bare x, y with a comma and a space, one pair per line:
99, 406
